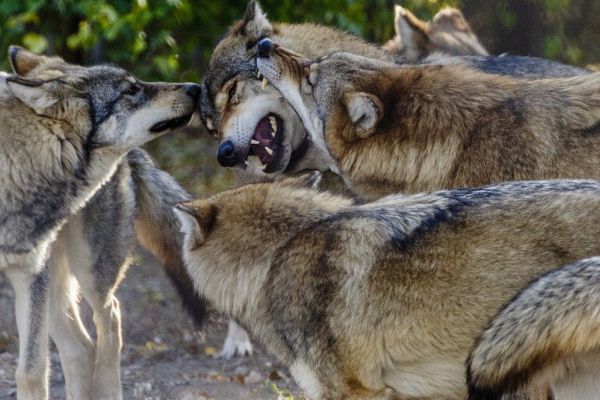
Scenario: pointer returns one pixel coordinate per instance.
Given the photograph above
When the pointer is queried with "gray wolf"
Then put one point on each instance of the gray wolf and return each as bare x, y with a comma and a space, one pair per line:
66, 130
385, 298
387, 128
448, 33
547, 335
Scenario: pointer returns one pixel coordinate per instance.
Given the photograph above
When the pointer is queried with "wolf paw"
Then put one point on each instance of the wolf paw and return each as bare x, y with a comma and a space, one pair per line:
237, 342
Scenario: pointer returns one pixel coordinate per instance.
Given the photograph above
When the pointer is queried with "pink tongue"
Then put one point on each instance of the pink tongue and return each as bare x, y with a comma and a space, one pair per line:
262, 135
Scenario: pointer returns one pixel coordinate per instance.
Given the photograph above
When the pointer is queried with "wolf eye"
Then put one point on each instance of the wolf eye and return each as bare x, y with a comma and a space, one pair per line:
231, 92
133, 89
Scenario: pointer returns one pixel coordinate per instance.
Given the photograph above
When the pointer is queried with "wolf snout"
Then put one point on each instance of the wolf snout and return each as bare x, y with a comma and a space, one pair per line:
192, 89
226, 155
264, 48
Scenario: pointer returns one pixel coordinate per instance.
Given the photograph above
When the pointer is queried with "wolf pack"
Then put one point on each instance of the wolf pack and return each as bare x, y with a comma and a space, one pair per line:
412, 220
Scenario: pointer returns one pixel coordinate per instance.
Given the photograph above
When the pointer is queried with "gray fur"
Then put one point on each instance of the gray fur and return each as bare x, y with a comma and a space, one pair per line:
65, 131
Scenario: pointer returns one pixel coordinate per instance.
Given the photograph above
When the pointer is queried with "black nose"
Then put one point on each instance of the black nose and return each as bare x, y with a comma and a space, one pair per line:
264, 47
192, 89
226, 155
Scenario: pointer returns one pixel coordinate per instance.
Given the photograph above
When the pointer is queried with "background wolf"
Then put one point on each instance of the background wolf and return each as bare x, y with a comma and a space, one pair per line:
391, 294
547, 334
66, 129
448, 33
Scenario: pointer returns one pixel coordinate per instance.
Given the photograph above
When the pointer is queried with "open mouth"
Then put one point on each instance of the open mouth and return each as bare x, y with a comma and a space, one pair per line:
171, 124
266, 143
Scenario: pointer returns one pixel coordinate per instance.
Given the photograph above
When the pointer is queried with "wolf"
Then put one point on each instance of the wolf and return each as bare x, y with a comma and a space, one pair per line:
382, 299
387, 128
66, 131
448, 33
546, 335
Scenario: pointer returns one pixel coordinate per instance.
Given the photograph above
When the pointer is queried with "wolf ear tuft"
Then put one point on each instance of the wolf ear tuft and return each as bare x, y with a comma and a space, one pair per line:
32, 93
197, 219
365, 111
411, 31
451, 18
255, 24
309, 180
23, 61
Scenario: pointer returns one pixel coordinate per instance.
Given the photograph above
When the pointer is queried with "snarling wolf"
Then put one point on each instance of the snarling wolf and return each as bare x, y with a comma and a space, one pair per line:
546, 336
389, 296
387, 128
66, 132
448, 33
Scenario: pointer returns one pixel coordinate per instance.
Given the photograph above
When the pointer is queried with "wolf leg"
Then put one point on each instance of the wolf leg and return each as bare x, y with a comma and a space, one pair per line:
237, 342
106, 382
31, 306
75, 347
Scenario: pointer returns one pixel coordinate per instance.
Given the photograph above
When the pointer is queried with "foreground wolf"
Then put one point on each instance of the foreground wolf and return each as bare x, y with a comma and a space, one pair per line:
448, 33
390, 129
356, 299
65, 132
547, 335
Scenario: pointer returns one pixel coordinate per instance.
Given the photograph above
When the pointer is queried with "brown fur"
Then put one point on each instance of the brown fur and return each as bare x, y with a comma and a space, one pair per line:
361, 299
449, 126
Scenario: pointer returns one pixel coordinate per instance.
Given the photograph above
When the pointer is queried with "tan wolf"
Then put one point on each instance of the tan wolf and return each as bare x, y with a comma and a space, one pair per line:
388, 128
546, 336
386, 298
448, 33
66, 131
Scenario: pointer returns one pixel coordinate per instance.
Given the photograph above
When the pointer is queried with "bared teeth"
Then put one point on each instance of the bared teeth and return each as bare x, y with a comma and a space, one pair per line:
269, 151
258, 74
253, 141
265, 82
273, 122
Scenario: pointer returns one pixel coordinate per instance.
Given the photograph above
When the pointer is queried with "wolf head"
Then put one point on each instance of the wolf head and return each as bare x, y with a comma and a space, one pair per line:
234, 233
448, 33
105, 106
257, 128
331, 93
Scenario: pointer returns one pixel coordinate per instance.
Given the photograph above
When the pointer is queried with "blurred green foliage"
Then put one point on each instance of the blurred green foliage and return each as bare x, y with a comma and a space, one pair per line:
172, 40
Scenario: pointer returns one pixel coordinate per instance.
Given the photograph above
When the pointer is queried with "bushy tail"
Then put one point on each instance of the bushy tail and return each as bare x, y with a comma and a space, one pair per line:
555, 317
157, 226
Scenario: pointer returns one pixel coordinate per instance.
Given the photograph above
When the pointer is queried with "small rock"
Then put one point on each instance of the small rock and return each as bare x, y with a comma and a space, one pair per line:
241, 370
253, 377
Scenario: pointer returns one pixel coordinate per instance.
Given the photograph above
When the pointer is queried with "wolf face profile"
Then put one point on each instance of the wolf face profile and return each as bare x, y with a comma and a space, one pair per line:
65, 130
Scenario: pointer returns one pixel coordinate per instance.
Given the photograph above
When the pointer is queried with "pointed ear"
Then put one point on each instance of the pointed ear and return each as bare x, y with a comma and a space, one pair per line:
23, 61
35, 94
451, 19
309, 180
255, 24
365, 111
197, 219
410, 29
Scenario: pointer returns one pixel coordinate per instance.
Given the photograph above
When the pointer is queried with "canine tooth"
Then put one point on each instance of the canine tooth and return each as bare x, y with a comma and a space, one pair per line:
252, 141
263, 167
273, 122
265, 82
269, 151
258, 74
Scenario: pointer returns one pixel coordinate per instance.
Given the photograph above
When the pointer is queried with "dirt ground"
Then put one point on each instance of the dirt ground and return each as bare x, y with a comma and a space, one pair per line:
164, 357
